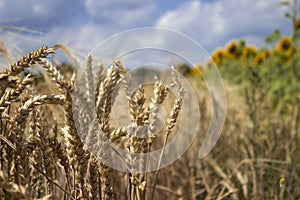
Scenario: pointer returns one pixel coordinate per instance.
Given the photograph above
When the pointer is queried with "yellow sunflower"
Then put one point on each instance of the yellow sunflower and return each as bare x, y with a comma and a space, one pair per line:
284, 44
218, 56
249, 52
297, 25
197, 70
284, 49
260, 56
233, 50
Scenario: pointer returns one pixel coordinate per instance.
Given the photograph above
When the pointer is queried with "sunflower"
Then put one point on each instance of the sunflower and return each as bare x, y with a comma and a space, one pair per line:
249, 52
260, 56
284, 49
233, 50
265, 52
297, 25
284, 44
218, 56
258, 59
197, 70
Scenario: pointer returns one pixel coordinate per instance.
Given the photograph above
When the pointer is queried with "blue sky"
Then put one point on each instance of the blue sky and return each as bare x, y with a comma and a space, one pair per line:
82, 24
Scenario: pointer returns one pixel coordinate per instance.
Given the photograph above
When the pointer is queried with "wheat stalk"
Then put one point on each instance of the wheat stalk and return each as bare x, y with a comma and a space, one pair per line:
171, 123
4, 52
28, 60
16, 191
13, 94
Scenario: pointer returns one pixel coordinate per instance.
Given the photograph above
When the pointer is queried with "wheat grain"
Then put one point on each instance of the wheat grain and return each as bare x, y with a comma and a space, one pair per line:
28, 60
55, 75
12, 94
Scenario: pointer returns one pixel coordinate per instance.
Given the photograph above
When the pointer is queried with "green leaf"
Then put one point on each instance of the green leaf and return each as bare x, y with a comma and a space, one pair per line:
288, 15
284, 3
273, 37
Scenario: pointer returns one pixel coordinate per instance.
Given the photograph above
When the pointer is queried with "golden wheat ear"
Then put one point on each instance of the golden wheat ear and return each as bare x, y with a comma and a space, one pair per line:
9, 79
11, 95
29, 59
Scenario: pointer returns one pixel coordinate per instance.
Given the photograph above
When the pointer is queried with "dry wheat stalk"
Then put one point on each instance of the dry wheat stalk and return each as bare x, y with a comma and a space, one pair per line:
60, 152
67, 51
171, 121
136, 137
89, 80
95, 185
46, 151
29, 105
77, 153
4, 52
55, 75
6, 81
28, 60
33, 150
136, 106
159, 94
13, 94
16, 191
117, 133
104, 98
103, 110
122, 71
17, 133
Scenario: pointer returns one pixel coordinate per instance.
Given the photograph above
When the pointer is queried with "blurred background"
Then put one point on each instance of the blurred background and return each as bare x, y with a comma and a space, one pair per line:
82, 24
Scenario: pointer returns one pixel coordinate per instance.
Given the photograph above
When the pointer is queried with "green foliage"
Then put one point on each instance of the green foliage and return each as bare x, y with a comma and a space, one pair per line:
284, 3
273, 37
269, 78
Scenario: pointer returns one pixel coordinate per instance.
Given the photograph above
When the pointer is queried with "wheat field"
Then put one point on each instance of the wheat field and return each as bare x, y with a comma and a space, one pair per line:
42, 154
51, 146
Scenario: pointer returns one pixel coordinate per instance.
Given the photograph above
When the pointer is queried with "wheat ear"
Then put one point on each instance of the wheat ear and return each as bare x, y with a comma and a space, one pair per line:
28, 60
13, 94
103, 109
171, 121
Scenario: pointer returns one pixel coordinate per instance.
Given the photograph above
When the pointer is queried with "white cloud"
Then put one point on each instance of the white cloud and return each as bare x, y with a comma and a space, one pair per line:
84, 24
80, 24
42, 14
124, 13
217, 22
